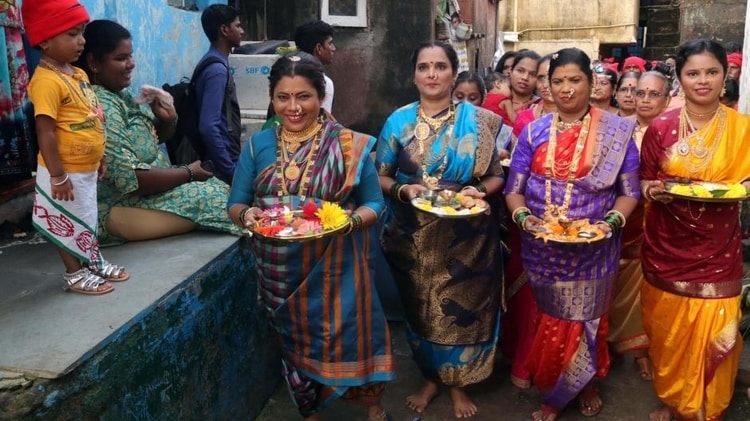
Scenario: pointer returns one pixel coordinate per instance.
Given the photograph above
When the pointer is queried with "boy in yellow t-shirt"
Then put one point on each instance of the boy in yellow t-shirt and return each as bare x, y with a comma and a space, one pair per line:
70, 132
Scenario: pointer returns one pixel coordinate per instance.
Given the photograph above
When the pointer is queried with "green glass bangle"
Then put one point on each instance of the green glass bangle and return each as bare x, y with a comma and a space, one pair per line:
522, 217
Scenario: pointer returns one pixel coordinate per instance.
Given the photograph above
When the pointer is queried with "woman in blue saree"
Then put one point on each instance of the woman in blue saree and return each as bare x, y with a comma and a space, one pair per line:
449, 271
320, 295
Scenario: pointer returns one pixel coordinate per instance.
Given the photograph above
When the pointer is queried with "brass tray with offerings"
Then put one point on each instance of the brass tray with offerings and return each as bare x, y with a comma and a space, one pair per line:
579, 231
449, 204
705, 191
310, 223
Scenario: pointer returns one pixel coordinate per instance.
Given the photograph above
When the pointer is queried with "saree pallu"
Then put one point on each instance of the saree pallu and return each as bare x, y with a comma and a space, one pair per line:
692, 262
69, 224
626, 332
320, 293
572, 283
448, 271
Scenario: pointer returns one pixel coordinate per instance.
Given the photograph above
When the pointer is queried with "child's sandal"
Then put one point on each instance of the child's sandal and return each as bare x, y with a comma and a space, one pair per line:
111, 272
85, 282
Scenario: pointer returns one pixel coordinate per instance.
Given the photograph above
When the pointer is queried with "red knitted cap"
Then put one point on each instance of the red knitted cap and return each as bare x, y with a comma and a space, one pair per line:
44, 19
735, 58
634, 61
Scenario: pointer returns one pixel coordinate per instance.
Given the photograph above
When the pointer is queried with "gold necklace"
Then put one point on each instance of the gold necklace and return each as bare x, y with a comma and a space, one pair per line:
561, 211
86, 100
698, 156
282, 174
296, 139
428, 125
430, 128
562, 126
700, 115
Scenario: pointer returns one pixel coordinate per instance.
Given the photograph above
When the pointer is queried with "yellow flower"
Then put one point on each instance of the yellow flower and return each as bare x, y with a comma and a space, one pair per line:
331, 216
736, 190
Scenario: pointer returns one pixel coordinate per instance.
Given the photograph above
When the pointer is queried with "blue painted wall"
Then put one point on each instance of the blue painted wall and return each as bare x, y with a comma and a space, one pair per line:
167, 41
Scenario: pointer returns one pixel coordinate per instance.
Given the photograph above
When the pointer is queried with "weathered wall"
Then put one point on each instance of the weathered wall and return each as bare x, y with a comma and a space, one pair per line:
593, 22
721, 20
662, 18
203, 352
167, 41
372, 69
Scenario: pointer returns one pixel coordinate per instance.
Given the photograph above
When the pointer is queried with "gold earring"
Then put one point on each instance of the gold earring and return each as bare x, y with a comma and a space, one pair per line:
723, 92
681, 94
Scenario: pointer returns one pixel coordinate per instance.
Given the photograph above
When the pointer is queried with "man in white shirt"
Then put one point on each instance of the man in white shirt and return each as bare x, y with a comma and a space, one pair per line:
316, 39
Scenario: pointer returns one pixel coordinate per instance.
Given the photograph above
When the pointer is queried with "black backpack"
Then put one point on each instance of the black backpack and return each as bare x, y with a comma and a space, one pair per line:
185, 145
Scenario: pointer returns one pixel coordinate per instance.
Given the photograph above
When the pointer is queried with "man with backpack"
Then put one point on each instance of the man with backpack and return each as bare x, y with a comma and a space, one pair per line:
219, 125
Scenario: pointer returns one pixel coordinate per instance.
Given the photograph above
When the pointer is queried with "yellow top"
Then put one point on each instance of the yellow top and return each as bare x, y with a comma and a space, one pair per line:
72, 103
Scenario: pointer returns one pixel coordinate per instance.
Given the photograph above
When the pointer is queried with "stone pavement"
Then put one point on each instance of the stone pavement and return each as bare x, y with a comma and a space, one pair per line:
626, 397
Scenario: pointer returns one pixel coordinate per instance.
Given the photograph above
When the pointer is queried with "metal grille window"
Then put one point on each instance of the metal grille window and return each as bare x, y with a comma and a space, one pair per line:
351, 13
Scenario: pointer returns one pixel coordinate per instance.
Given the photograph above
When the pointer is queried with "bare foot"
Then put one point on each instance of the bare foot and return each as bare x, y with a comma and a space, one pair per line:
661, 414
644, 366
463, 407
418, 401
547, 413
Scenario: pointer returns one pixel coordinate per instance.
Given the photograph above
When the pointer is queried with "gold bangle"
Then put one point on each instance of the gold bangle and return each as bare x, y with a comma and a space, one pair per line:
399, 191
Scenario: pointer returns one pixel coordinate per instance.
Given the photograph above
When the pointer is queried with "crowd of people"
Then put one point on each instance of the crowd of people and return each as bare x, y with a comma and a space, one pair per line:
555, 138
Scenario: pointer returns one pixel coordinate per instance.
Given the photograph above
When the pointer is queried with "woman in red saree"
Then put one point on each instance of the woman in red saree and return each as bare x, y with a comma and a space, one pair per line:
692, 255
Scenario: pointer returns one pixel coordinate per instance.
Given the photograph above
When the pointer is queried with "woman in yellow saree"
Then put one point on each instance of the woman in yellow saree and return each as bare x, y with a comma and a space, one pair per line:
692, 255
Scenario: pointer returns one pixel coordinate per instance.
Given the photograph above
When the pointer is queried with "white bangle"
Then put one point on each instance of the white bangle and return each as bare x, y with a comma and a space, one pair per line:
65, 180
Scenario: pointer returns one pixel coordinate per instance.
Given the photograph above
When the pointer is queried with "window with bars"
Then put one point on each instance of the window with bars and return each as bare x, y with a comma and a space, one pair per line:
351, 13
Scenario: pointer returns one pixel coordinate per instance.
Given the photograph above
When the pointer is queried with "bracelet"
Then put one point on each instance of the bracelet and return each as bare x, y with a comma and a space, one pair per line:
399, 191
618, 216
480, 186
612, 222
521, 219
191, 175
518, 211
355, 223
242, 215
65, 180
393, 190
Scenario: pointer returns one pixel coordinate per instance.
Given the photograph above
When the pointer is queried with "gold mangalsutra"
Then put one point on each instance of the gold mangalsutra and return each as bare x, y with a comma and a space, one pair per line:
561, 211
295, 139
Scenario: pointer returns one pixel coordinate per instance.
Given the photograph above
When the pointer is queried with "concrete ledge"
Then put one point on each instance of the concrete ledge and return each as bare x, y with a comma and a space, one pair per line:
184, 337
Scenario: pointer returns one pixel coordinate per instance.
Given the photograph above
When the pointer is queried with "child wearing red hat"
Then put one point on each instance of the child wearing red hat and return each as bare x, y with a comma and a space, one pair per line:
70, 133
